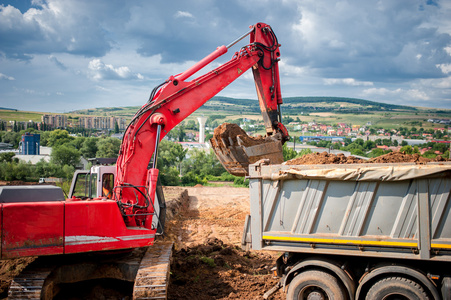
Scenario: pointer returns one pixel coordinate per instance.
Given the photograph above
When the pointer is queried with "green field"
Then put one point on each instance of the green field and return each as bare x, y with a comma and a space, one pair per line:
20, 116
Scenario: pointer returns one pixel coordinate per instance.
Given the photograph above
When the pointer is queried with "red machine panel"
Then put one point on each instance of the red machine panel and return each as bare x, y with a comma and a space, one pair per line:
98, 226
34, 228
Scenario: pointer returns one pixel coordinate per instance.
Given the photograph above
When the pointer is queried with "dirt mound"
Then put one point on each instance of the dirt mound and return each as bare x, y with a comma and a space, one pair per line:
398, 157
223, 132
214, 270
324, 158
392, 157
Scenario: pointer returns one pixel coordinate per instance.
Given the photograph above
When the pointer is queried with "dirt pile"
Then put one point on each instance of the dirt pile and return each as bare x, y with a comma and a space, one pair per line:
392, 157
223, 132
324, 158
214, 270
399, 157
208, 262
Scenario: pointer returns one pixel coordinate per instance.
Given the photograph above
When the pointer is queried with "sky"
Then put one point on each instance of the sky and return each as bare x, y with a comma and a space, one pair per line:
63, 55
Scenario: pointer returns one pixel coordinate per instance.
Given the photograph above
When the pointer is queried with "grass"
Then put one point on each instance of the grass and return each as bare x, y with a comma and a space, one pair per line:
20, 116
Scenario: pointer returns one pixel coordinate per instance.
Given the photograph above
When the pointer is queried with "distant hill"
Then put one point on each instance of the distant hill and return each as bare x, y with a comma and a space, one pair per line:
4, 108
292, 105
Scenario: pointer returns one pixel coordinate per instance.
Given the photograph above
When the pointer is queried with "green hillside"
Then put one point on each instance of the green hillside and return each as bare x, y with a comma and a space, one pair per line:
292, 105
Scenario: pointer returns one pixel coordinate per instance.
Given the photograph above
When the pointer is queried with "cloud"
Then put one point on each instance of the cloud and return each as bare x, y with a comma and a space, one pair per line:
369, 41
59, 64
53, 27
183, 14
100, 70
5, 77
411, 94
346, 81
105, 51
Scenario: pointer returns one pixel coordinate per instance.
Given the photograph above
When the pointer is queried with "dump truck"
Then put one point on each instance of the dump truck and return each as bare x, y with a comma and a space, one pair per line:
354, 231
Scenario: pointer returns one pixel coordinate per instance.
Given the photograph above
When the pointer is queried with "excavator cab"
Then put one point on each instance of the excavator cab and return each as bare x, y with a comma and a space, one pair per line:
95, 183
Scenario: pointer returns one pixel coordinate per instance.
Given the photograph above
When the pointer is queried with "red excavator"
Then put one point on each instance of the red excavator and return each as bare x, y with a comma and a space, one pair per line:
112, 208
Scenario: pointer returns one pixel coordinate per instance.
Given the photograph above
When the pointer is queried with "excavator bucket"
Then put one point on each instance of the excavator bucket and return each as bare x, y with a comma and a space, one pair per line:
236, 150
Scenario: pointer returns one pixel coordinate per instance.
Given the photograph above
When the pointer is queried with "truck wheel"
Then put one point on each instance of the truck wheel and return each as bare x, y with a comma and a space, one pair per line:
315, 285
396, 288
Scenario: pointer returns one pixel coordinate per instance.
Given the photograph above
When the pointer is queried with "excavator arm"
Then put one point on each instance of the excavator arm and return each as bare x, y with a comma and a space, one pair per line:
177, 98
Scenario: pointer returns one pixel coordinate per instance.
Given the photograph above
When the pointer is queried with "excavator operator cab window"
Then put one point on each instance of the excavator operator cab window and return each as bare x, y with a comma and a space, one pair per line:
81, 187
85, 186
107, 185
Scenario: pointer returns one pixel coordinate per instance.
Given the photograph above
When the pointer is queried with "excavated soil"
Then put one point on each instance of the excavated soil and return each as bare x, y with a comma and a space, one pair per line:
392, 157
223, 132
208, 262
323, 158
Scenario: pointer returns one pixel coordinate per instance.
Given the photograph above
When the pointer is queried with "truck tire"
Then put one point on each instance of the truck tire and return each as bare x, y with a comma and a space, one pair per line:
315, 285
396, 288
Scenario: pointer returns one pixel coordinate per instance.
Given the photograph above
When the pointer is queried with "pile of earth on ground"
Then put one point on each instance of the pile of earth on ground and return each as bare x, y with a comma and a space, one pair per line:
214, 270
328, 158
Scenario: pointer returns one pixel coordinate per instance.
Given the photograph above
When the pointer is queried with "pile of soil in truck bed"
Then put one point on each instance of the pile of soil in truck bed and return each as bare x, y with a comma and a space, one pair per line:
392, 157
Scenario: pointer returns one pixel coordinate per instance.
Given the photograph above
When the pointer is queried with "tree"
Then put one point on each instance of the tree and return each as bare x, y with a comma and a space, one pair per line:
12, 138
65, 155
177, 133
78, 142
191, 125
116, 127
368, 145
358, 152
386, 142
89, 148
376, 152
359, 142
6, 157
406, 149
288, 153
59, 137
45, 135
202, 163
171, 154
108, 147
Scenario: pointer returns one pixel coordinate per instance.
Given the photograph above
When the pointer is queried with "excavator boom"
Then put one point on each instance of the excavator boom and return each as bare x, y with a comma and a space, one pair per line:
178, 97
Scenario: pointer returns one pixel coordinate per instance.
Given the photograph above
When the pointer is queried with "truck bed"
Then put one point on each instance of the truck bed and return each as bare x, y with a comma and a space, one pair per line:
393, 210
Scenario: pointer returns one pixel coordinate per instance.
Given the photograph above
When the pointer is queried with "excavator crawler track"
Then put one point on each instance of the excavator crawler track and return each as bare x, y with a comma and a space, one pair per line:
153, 275
29, 284
147, 268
